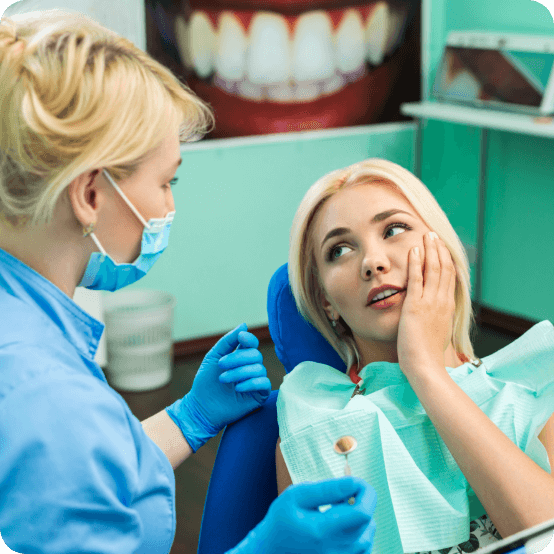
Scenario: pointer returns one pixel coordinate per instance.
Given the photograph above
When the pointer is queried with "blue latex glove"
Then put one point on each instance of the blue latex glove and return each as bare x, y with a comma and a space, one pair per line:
295, 525
229, 384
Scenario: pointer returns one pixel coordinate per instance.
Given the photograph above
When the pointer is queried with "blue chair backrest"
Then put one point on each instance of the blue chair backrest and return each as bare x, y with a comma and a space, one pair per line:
295, 339
243, 483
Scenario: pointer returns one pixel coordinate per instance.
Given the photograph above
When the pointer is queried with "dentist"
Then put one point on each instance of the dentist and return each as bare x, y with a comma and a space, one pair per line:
90, 135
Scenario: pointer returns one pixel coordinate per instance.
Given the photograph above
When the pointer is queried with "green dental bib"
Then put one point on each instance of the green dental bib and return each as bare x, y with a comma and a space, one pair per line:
424, 502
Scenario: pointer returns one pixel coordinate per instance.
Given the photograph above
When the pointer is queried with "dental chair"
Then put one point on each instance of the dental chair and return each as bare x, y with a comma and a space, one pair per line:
243, 483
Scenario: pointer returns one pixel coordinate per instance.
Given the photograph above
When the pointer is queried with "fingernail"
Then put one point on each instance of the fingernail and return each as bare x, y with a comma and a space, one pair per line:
416, 251
433, 235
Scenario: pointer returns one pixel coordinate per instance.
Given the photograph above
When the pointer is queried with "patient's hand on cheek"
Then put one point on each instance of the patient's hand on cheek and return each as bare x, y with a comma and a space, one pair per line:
426, 320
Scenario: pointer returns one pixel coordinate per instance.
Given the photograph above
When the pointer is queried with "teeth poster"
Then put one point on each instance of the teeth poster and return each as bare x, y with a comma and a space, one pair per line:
277, 66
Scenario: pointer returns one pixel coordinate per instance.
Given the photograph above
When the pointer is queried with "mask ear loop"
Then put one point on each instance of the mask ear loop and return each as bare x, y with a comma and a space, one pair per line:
134, 210
89, 232
97, 242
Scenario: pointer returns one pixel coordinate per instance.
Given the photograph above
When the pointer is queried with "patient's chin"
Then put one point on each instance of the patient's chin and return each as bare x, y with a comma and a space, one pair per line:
383, 334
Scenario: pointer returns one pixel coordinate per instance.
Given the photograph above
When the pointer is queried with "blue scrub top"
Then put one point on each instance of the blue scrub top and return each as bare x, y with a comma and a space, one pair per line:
77, 471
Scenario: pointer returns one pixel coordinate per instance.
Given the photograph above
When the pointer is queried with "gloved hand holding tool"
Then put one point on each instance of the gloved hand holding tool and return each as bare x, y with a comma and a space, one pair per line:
228, 385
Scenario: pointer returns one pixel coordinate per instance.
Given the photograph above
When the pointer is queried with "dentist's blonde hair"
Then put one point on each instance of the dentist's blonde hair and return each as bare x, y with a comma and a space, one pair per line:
303, 273
75, 96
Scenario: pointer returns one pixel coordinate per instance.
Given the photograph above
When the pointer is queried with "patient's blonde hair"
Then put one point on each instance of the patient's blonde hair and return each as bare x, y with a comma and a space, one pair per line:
303, 274
75, 96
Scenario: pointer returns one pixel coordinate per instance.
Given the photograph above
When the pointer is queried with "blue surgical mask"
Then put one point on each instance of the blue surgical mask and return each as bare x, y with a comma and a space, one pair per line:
102, 273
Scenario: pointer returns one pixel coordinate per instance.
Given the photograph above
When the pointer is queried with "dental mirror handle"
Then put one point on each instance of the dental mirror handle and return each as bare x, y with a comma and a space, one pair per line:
345, 445
347, 470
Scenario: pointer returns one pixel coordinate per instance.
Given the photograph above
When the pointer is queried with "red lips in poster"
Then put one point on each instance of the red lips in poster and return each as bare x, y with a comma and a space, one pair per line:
303, 65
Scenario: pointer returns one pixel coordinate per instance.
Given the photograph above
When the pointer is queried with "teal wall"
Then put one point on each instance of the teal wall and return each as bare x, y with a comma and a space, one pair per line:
518, 256
519, 250
234, 205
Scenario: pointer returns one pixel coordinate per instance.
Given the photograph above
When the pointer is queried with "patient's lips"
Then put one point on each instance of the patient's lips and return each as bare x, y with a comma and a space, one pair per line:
389, 301
385, 296
298, 66
382, 290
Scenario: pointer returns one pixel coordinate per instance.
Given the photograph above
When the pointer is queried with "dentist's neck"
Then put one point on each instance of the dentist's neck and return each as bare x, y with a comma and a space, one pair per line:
55, 251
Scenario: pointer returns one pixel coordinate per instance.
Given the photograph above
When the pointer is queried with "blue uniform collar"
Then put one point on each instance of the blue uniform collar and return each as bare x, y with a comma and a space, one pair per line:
80, 328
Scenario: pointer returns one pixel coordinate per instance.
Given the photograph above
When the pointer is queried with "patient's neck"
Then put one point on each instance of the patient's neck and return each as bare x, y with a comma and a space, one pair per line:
387, 352
377, 351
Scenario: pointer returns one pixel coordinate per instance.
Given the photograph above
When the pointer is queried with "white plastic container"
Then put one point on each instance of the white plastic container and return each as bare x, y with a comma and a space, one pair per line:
139, 334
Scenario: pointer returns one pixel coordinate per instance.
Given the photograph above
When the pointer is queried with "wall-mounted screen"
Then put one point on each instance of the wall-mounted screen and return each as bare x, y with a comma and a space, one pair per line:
502, 78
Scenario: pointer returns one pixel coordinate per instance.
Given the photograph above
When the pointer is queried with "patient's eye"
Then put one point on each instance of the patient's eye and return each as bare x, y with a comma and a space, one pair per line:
397, 225
332, 253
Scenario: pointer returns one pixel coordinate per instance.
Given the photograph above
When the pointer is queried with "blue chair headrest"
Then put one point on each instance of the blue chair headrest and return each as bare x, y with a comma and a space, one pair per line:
295, 339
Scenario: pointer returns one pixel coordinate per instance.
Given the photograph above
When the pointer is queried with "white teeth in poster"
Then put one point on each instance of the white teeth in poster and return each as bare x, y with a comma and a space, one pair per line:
314, 60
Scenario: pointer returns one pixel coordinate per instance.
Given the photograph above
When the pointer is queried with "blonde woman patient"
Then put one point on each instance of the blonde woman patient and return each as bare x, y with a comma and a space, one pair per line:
457, 448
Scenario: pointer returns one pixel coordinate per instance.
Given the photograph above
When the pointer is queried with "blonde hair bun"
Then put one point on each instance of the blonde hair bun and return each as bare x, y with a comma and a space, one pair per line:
74, 97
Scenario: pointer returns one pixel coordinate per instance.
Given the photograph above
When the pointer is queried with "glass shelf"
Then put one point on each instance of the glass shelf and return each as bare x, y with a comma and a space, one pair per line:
480, 117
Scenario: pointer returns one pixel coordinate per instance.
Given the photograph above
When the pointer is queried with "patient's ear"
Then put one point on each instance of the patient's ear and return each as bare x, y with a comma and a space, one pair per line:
329, 310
